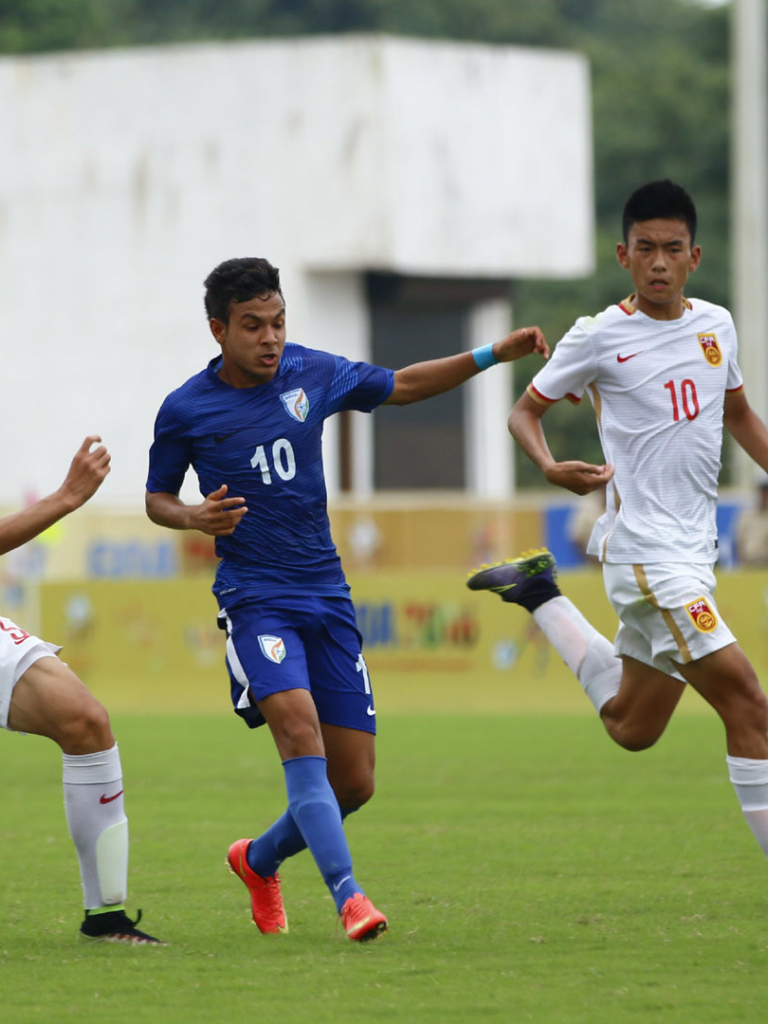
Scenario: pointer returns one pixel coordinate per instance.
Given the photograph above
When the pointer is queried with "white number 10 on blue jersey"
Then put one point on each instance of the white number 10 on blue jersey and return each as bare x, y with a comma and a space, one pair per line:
283, 461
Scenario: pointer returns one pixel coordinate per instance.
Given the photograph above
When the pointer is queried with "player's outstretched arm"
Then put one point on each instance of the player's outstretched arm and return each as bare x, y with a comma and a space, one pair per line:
746, 427
418, 381
85, 476
526, 427
217, 516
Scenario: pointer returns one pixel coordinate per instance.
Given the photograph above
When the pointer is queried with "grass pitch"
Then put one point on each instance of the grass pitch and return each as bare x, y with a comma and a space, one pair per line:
531, 871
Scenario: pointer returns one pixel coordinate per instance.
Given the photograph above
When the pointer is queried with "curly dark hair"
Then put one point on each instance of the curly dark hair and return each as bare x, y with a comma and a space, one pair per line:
659, 199
238, 280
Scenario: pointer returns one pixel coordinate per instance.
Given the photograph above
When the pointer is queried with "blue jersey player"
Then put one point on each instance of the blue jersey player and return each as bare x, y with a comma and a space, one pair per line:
250, 425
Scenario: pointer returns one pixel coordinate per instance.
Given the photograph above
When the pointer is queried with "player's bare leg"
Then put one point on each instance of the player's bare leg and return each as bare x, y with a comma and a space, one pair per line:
634, 700
49, 700
292, 719
727, 681
636, 703
640, 712
351, 757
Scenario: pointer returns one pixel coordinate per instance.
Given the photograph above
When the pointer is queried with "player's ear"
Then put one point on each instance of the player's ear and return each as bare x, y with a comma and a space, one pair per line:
218, 329
622, 256
695, 258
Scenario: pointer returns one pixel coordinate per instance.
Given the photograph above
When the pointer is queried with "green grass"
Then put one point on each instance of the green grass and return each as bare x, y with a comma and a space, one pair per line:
531, 871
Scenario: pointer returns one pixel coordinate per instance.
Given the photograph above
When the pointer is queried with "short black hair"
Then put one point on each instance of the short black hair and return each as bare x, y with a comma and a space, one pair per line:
238, 280
661, 199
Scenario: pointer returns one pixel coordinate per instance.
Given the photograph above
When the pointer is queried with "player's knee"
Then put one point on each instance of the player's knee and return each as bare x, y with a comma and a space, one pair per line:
355, 792
753, 710
637, 743
633, 737
298, 739
742, 706
760, 710
86, 730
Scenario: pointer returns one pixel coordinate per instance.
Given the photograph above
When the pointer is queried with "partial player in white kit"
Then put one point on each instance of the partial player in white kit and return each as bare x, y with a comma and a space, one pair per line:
662, 373
39, 694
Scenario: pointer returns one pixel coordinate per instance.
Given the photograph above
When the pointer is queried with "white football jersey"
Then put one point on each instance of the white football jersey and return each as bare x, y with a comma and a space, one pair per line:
658, 388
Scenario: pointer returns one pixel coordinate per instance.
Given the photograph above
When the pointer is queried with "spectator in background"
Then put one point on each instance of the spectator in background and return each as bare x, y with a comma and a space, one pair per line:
752, 530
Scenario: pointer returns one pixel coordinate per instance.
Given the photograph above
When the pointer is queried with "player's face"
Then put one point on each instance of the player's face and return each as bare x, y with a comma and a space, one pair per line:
659, 257
252, 342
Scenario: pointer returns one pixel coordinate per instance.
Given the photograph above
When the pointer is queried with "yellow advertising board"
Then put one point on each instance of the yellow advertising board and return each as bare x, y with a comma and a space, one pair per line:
417, 534
431, 645
140, 645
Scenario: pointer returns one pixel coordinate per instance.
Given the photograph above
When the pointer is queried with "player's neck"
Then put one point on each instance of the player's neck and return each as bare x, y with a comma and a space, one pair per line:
240, 379
672, 310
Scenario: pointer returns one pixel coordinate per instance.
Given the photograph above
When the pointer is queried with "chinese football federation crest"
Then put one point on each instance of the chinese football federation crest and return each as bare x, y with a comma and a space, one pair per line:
272, 647
704, 619
710, 348
296, 404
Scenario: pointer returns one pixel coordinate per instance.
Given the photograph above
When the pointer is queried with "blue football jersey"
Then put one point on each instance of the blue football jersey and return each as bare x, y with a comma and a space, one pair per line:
264, 443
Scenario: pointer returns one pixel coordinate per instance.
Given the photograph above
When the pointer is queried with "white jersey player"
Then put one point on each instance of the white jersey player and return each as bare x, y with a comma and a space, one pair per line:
39, 694
658, 390
662, 374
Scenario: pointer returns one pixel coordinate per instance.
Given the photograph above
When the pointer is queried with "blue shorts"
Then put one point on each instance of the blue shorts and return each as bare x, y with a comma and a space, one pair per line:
310, 643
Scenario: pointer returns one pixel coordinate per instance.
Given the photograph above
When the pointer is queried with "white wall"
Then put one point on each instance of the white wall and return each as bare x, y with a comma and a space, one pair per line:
127, 175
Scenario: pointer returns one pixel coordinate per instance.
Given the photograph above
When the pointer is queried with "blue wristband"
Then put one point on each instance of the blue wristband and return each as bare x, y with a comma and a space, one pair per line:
484, 356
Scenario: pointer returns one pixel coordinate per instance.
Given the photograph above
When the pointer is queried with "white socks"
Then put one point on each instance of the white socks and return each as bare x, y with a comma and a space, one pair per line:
93, 800
750, 780
585, 651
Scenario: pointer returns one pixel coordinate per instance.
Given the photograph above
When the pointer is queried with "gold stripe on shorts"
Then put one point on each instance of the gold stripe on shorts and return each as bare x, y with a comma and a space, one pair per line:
672, 626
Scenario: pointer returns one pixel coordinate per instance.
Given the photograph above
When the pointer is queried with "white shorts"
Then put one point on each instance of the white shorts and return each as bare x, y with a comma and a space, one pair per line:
667, 612
18, 650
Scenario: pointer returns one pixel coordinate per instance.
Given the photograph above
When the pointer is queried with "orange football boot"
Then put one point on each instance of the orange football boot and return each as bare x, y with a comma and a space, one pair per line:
266, 902
362, 921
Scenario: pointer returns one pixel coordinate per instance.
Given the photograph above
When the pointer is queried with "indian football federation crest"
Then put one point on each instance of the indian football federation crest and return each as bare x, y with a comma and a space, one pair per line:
704, 619
272, 647
710, 348
296, 404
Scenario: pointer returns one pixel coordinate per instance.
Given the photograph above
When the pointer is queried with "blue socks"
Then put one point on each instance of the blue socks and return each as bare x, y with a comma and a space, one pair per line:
313, 820
281, 841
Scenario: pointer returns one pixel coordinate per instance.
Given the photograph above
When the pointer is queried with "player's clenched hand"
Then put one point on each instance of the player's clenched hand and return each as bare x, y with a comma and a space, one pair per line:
86, 473
219, 515
521, 343
579, 477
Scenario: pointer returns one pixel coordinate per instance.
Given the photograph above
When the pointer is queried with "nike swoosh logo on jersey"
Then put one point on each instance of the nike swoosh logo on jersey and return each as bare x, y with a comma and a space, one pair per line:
623, 359
218, 438
104, 799
370, 711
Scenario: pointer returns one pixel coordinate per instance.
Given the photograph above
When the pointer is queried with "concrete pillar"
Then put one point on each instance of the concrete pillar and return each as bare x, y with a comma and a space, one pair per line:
336, 320
750, 208
488, 451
